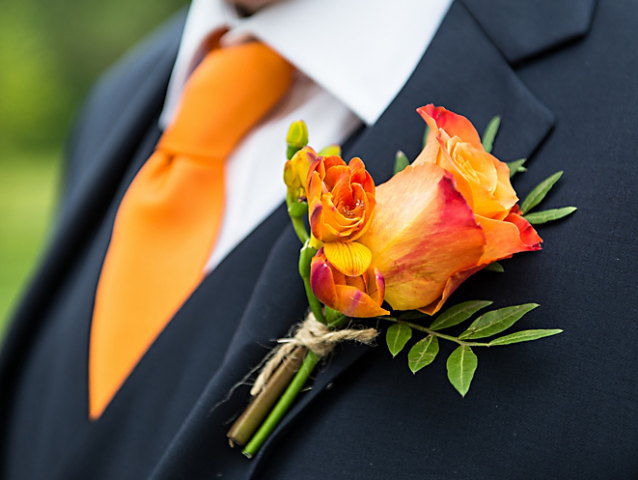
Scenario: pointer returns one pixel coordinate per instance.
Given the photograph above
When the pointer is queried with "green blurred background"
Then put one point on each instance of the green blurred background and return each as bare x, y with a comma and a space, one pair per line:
51, 51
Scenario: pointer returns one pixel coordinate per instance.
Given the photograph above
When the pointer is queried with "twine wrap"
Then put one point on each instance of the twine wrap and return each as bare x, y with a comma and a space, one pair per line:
314, 336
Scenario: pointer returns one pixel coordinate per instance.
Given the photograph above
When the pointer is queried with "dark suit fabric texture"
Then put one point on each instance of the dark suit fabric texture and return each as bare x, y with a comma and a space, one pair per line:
563, 76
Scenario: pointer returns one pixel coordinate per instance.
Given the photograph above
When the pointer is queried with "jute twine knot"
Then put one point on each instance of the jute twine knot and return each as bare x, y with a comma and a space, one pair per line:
315, 336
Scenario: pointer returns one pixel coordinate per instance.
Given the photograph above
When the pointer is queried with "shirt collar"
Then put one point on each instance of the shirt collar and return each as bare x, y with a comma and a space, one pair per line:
361, 51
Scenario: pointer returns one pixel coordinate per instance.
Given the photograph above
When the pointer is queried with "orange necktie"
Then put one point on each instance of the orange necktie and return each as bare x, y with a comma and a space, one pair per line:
170, 217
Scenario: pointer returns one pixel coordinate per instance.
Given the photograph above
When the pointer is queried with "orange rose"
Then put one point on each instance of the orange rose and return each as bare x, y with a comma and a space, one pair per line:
340, 199
454, 144
482, 179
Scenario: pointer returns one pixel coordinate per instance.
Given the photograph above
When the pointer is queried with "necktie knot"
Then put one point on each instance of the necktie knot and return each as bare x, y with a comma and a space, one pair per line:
225, 96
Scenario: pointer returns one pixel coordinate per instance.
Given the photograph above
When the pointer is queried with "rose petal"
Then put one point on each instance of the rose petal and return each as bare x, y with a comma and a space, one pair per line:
453, 124
423, 233
504, 190
529, 237
451, 285
479, 164
505, 238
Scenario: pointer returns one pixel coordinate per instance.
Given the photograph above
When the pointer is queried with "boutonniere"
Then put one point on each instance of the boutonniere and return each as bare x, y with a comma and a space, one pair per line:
396, 252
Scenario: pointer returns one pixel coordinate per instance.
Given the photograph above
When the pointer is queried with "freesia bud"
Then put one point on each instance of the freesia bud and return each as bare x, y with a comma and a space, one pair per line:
330, 150
297, 137
296, 171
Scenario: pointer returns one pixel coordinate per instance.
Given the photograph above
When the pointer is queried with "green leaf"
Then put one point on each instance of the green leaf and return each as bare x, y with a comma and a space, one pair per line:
425, 134
458, 313
545, 216
423, 353
539, 192
461, 366
490, 133
397, 336
496, 321
400, 162
494, 267
412, 315
524, 336
516, 166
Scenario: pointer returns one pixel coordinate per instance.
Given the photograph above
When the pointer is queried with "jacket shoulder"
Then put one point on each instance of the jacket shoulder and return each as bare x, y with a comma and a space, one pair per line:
119, 86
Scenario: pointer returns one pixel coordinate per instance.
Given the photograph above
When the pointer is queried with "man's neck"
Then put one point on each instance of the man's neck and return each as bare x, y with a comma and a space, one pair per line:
245, 8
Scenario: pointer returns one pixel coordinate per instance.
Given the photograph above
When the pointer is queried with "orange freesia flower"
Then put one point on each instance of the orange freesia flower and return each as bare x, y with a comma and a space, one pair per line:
340, 199
354, 296
296, 172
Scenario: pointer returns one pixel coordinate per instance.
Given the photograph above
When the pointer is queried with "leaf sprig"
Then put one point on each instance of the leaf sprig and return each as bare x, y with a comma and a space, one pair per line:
537, 194
462, 363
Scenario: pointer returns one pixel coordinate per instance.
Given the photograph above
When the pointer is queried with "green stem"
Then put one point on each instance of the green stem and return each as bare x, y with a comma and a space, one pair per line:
247, 424
282, 406
338, 322
300, 229
435, 333
315, 304
305, 260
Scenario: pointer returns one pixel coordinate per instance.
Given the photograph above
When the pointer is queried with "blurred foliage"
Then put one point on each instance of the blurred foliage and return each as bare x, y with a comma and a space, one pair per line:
51, 51
27, 191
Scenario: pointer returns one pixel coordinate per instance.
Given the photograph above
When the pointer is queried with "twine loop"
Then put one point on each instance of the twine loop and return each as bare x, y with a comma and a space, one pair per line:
315, 336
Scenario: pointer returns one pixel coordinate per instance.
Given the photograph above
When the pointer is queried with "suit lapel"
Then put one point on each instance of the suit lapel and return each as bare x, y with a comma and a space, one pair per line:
461, 70
523, 29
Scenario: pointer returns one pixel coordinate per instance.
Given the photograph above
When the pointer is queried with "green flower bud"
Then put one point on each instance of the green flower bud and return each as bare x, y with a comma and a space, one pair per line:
297, 137
330, 151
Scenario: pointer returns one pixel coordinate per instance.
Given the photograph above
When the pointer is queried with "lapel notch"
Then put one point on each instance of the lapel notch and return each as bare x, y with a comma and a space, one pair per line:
522, 29
463, 71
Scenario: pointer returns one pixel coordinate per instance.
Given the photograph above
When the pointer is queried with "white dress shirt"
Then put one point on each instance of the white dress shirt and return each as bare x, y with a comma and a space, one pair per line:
352, 57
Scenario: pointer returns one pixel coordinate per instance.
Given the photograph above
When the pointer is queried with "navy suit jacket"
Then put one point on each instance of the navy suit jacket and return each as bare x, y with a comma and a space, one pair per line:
563, 75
